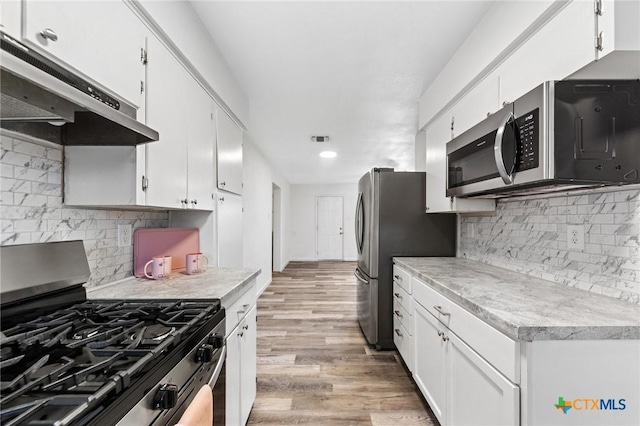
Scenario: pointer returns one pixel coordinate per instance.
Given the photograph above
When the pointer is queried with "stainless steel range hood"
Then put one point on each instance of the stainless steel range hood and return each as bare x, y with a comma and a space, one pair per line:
42, 99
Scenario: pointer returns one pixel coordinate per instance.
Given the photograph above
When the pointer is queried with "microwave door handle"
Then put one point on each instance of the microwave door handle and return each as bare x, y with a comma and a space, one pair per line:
497, 149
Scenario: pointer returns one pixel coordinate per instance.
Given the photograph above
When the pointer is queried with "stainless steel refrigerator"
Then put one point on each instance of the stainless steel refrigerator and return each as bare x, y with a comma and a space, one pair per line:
391, 221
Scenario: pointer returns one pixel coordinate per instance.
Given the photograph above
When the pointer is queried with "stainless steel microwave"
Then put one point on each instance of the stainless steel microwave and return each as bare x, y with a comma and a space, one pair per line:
561, 135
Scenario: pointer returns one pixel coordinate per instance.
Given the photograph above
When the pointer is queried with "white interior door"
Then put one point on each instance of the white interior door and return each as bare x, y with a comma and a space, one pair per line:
330, 228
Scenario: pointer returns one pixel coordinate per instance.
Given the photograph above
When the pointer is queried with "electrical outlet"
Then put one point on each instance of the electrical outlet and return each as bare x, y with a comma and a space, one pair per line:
124, 235
575, 237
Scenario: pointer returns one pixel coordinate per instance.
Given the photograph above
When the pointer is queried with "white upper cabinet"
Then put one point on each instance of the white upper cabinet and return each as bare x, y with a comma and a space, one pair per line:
100, 39
482, 101
438, 134
558, 49
229, 143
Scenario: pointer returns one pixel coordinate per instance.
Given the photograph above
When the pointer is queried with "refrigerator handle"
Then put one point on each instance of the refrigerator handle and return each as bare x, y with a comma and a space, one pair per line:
359, 277
359, 224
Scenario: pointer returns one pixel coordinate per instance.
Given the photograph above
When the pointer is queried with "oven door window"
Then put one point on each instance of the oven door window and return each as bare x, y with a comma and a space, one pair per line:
474, 162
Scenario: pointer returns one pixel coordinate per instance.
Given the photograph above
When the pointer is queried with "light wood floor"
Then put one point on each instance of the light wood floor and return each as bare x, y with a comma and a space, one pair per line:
314, 366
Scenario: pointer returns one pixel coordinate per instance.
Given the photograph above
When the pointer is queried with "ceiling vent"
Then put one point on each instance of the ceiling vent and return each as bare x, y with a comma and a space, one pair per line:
320, 138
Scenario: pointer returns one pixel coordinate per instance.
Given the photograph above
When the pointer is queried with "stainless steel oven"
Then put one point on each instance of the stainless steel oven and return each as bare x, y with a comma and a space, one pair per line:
561, 135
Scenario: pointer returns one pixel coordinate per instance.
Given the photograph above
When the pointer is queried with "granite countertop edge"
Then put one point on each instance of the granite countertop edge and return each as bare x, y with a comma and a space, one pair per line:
215, 283
524, 332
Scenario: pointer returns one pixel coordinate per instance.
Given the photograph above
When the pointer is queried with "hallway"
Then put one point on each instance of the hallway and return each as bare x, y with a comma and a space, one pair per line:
314, 366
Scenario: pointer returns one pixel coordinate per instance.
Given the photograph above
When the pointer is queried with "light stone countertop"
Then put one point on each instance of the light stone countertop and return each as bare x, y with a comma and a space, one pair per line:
524, 307
215, 283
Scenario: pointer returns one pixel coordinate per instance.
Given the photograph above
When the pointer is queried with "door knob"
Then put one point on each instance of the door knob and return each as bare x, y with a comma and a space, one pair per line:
49, 34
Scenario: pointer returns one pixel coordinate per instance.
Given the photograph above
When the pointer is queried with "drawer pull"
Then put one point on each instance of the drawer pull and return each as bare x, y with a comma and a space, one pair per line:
241, 334
398, 313
244, 308
397, 295
440, 311
397, 277
444, 338
398, 332
246, 327
440, 333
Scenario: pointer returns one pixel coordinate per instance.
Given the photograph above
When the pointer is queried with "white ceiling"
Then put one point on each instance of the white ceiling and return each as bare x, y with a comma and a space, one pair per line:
354, 71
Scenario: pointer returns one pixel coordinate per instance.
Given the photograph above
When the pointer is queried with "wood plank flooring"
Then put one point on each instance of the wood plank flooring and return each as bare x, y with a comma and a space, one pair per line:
314, 366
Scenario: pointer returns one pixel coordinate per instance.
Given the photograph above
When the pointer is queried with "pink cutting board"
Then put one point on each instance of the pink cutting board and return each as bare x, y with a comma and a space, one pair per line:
174, 242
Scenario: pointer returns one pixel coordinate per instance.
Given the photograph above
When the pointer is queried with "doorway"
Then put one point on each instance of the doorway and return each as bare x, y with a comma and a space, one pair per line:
276, 217
330, 228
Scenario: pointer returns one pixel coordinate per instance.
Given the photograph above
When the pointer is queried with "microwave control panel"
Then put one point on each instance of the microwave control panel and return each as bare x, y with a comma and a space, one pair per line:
528, 136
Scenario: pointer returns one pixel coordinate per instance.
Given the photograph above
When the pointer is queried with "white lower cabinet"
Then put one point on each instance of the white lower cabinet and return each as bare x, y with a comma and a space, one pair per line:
430, 362
477, 394
241, 361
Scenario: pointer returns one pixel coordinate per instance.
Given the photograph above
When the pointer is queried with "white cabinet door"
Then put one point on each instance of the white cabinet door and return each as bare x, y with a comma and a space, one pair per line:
559, 49
483, 100
100, 39
167, 158
248, 365
229, 230
229, 143
437, 135
489, 399
200, 132
430, 361
232, 386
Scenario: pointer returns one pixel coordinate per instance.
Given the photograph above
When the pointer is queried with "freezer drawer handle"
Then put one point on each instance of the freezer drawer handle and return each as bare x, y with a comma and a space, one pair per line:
440, 311
359, 277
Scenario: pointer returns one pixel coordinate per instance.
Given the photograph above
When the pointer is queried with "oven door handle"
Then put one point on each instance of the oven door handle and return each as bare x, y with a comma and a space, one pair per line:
497, 149
218, 369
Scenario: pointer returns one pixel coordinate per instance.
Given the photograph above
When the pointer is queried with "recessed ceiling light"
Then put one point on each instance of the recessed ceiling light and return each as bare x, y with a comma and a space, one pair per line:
328, 154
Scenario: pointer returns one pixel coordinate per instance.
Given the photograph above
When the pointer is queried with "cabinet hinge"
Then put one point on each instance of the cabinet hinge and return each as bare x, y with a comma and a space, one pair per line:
143, 56
141, 87
211, 116
597, 7
145, 183
598, 41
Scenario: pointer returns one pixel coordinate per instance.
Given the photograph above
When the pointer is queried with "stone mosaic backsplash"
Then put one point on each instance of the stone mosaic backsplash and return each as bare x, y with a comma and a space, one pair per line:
530, 236
32, 211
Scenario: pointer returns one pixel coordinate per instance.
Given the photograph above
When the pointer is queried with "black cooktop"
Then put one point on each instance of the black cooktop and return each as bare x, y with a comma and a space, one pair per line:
70, 365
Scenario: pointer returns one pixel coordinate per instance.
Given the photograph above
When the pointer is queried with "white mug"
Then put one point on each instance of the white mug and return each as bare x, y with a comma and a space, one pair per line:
196, 263
160, 267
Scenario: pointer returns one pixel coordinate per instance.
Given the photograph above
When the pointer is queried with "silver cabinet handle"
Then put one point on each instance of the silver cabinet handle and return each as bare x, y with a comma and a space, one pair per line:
244, 308
397, 295
440, 311
398, 313
194, 202
440, 333
398, 332
241, 334
223, 183
397, 277
507, 178
185, 201
246, 327
49, 34
222, 199
444, 338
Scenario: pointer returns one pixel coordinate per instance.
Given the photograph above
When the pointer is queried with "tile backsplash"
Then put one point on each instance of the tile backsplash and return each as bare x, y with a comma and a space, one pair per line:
32, 211
530, 236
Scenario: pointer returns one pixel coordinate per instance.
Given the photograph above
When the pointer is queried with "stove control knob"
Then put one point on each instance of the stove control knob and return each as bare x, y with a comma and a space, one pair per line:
216, 340
204, 353
166, 397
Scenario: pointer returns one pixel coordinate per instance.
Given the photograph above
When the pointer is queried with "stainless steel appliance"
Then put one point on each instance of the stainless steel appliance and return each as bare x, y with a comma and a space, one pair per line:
37, 92
391, 221
66, 360
559, 136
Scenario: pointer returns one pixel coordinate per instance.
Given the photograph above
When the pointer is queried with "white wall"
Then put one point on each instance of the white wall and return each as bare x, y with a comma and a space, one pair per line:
259, 178
303, 219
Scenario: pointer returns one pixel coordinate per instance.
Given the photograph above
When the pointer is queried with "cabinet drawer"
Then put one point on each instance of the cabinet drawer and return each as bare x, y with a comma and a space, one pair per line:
402, 277
499, 350
403, 298
404, 342
239, 309
403, 316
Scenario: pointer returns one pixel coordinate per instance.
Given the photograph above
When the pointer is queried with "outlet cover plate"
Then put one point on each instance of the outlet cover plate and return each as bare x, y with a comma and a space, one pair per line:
124, 235
575, 237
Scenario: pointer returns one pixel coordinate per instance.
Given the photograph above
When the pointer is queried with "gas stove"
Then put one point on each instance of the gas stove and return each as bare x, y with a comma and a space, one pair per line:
66, 360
